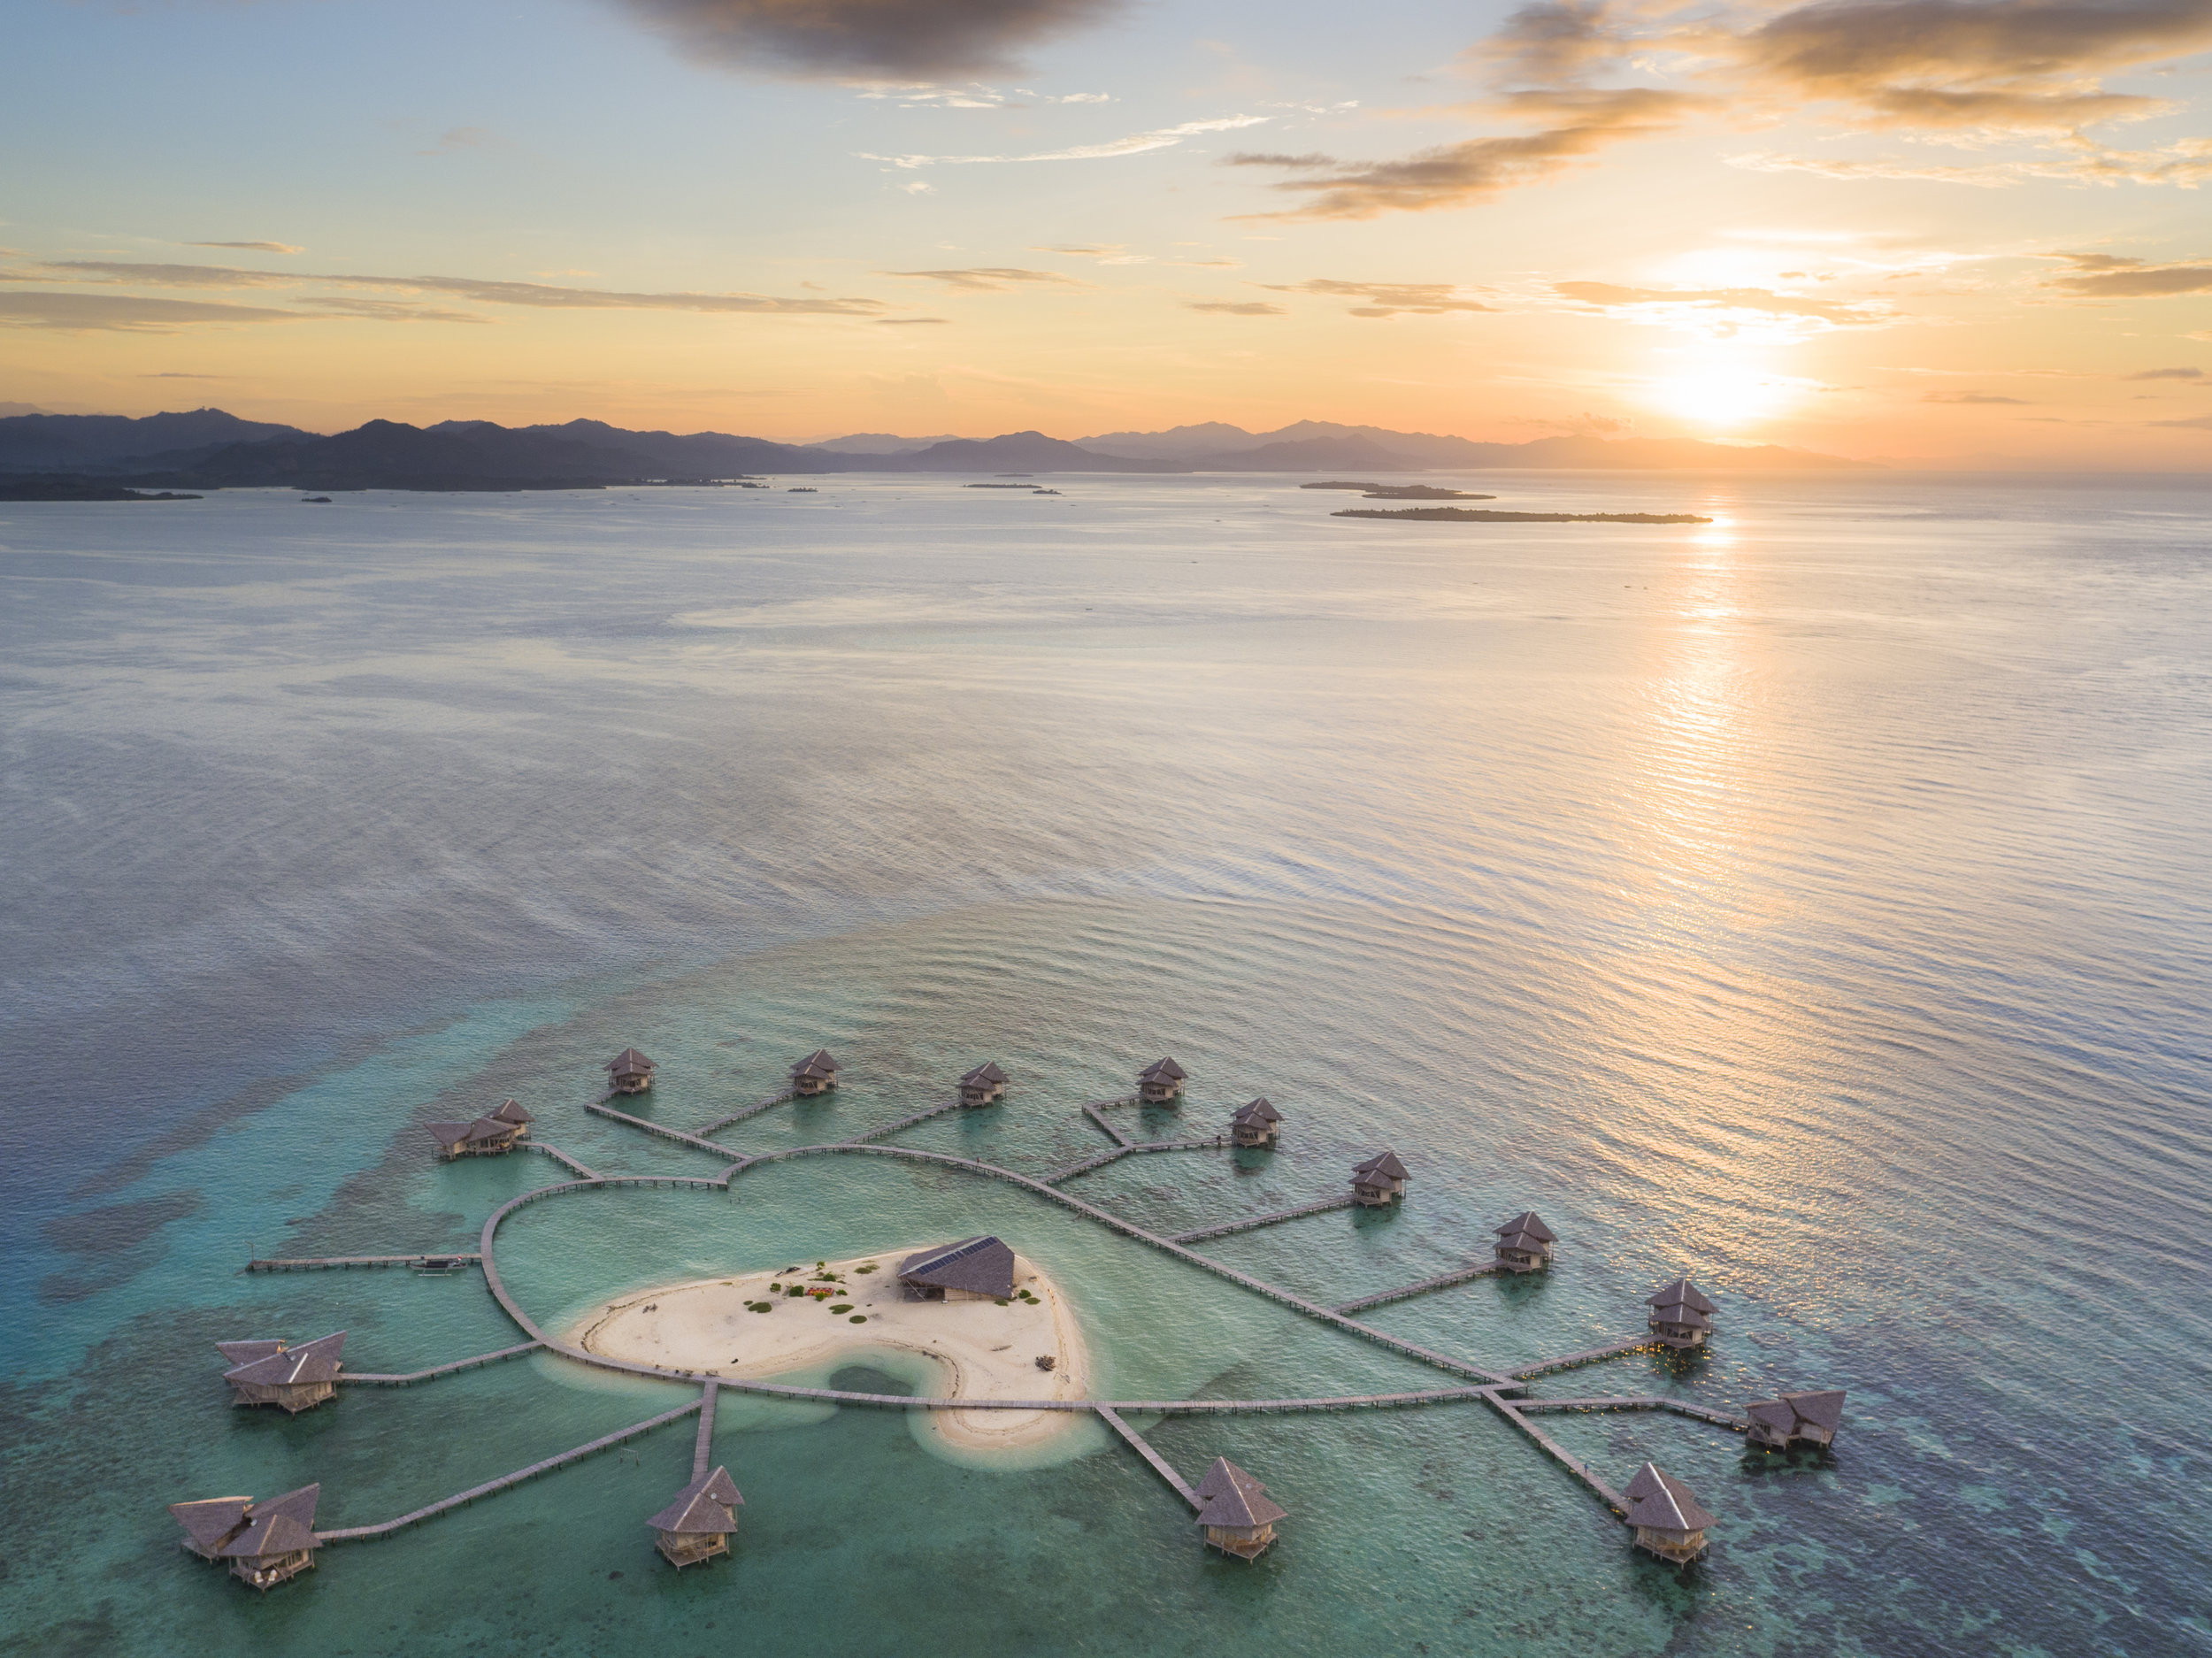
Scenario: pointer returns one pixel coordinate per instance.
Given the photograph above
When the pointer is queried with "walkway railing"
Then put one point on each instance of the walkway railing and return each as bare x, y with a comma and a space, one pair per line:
377, 1379
1441, 1281
721, 1122
662, 1129
1252, 1223
1160, 1465
938, 1110
320, 1264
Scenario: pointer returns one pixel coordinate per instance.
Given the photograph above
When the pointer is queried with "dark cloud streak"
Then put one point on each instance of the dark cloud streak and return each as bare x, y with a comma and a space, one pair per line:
867, 39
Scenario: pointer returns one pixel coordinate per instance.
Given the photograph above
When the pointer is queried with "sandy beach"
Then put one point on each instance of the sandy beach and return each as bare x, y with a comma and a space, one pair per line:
979, 1349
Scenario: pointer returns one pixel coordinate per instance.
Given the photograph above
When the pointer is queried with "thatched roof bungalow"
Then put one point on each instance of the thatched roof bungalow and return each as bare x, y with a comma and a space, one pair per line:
1236, 1511
1665, 1513
1524, 1243
1681, 1316
495, 1132
697, 1524
1254, 1123
265, 1542
629, 1071
814, 1074
974, 1270
1160, 1082
1380, 1180
1795, 1419
272, 1373
209, 1523
984, 1085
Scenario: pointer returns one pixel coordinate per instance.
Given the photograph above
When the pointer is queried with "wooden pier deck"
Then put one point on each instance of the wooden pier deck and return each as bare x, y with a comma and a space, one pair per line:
939, 1110
322, 1264
1160, 1465
755, 1109
357, 1533
1589, 1356
1678, 1406
1112, 1133
1441, 1281
1559, 1453
559, 1156
376, 1379
1131, 1150
702, 1447
662, 1129
1256, 1221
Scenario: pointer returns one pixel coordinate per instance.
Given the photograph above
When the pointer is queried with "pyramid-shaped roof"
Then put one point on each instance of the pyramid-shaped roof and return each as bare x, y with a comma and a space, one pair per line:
983, 1265
1659, 1499
1822, 1410
1384, 1163
511, 1112
247, 1352
1681, 1292
310, 1362
452, 1134
1528, 1224
1259, 1110
209, 1520
629, 1062
1229, 1496
282, 1525
1163, 1070
1773, 1413
985, 1073
704, 1505
818, 1063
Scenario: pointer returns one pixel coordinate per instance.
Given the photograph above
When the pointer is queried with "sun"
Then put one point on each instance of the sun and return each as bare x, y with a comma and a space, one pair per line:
1723, 396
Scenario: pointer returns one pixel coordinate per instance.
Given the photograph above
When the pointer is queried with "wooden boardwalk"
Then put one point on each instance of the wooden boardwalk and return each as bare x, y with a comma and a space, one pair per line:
320, 1263
356, 1533
702, 1447
1441, 1281
662, 1129
721, 1122
375, 1379
1590, 1356
559, 1156
1160, 1465
1112, 1133
1679, 1407
938, 1110
1128, 1150
1256, 1221
1559, 1453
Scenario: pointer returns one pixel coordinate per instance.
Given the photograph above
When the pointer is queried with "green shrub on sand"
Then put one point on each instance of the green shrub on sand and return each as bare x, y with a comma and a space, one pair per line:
847, 1307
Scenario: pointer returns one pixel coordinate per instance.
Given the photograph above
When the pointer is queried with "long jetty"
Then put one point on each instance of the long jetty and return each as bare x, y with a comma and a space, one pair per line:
1112, 1133
1679, 1407
738, 1116
1441, 1281
323, 1263
702, 1447
1560, 1454
559, 1156
1160, 1465
1131, 1150
939, 1110
358, 1533
376, 1379
662, 1129
1252, 1223
1590, 1355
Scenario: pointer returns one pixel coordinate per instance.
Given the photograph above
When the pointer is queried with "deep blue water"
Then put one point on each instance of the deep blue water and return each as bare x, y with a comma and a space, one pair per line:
1816, 903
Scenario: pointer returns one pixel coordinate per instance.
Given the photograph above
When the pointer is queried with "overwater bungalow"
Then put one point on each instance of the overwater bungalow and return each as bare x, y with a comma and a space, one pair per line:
1160, 1082
697, 1524
272, 1373
1254, 1123
1380, 1180
974, 1270
984, 1085
629, 1071
1524, 1243
1236, 1511
1681, 1316
496, 1132
265, 1542
1665, 1513
814, 1074
1795, 1419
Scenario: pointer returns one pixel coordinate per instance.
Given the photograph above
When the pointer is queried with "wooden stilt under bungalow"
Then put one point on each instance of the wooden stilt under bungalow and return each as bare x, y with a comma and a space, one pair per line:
1255, 1123
1668, 1523
629, 1071
697, 1524
1524, 1243
1161, 1083
984, 1085
1378, 1181
1681, 1316
271, 1373
270, 1542
974, 1270
1795, 1419
814, 1074
496, 1132
1236, 1511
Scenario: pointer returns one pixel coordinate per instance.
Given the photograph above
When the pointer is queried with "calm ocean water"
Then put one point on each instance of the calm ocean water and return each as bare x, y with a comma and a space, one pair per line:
1816, 903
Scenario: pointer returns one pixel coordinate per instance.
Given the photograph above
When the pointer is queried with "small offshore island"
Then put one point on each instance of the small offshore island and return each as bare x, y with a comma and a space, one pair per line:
818, 1315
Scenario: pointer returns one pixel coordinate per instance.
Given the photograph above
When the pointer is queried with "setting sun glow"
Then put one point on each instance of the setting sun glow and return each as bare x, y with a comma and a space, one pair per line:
1721, 396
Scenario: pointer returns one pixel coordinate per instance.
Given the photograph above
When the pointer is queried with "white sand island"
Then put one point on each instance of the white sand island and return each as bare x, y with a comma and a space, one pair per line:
980, 1348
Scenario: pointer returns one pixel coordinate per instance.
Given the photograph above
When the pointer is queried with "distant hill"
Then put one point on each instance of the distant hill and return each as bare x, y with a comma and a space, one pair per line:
877, 443
50, 443
1323, 445
1017, 451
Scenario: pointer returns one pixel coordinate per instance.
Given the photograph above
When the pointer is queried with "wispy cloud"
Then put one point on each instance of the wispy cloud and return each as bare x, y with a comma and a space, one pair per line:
1136, 143
117, 313
896, 40
1971, 397
2106, 276
457, 138
2166, 374
989, 279
1238, 308
2197, 423
1389, 299
1762, 301
246, 247
1105, 253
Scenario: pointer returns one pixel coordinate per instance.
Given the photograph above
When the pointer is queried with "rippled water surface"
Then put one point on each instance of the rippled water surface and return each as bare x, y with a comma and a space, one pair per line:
1815, 902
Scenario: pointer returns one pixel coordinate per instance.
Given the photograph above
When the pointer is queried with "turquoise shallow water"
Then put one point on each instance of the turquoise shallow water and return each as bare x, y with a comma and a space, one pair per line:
1816, 903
